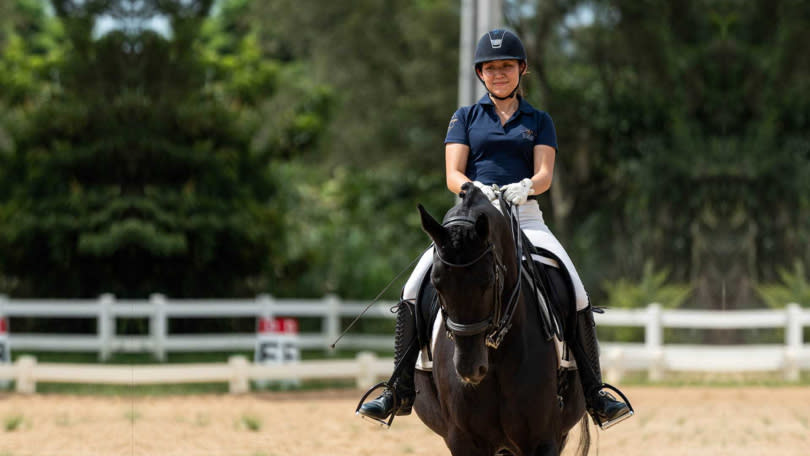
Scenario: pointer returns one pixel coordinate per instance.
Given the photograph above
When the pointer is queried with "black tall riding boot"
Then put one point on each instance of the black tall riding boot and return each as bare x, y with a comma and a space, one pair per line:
605, 409
406, 350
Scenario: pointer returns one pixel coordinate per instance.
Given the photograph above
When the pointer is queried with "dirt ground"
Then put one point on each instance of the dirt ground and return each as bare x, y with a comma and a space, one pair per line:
670, 421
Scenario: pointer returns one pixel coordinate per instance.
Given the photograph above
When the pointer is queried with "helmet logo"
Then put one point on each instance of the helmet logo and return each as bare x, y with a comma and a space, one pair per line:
497, 40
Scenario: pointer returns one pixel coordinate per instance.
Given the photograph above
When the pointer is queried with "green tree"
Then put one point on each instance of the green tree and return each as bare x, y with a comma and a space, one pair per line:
793, 286
266, 146
654, 287
31, 47
31, 50
392, 68
683, 136
137, 175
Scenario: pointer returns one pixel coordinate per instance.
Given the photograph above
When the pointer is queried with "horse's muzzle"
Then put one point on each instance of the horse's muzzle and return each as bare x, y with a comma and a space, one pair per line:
471, 367
475, 379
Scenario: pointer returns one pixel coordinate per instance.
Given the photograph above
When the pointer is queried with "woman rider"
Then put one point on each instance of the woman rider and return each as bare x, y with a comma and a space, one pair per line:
501, 143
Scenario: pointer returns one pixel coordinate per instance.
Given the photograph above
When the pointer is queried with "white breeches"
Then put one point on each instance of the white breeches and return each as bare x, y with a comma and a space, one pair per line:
531, 221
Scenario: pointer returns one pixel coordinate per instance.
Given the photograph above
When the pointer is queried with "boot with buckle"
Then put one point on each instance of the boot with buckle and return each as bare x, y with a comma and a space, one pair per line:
603, 407
399, 394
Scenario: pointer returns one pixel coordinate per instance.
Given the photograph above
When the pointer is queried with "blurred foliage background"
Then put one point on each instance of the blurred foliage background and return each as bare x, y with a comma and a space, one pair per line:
203, 148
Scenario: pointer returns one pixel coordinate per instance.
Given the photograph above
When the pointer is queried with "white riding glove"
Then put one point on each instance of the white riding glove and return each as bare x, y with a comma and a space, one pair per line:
518, 192
489, 191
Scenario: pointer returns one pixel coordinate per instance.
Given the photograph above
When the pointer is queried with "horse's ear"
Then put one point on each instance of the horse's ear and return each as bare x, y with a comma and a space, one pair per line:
482, 226
433, 228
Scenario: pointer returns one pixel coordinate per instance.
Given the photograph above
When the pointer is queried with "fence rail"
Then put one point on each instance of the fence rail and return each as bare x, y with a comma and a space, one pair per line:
365, 369
652, 355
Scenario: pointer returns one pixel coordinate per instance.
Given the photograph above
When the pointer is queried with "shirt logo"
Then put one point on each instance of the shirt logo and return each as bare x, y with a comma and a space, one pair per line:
452, 123
528, 134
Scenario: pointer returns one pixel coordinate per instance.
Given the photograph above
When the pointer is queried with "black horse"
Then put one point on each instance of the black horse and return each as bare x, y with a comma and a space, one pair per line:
495, 387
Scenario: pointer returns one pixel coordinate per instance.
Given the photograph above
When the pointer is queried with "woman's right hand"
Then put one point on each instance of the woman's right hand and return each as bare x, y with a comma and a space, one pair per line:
489, 191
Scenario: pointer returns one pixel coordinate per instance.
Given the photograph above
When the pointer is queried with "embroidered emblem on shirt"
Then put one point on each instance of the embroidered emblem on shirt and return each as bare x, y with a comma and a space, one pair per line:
452, 122
528, 134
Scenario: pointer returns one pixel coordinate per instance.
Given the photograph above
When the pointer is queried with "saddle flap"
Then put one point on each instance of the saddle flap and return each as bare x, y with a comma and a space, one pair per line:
427, 308
424, 361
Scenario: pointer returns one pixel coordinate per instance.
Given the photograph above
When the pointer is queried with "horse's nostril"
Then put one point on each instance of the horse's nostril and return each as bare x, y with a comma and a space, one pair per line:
482, 371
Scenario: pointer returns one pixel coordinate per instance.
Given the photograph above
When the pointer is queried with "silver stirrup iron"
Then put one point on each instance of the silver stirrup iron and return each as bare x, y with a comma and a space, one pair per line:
613, 422
386, 424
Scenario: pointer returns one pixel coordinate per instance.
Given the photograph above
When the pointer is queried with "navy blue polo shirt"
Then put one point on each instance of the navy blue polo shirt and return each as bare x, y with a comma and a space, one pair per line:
500, 154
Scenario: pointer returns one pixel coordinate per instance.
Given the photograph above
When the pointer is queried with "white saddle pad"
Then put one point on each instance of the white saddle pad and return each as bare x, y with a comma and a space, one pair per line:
423, 362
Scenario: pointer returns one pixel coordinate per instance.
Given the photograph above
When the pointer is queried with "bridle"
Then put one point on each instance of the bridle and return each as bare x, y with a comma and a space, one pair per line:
498, 323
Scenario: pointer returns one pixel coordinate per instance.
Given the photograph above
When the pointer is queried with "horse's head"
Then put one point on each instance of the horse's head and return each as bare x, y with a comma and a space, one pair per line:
469, 275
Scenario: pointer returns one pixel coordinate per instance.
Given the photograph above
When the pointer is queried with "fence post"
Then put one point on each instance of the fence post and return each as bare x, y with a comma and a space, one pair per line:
653, 341
615, 365
793, 342
239, 375
106, 326
266, 304
26, 382
5, 344
331, 322
365, 370
158, 326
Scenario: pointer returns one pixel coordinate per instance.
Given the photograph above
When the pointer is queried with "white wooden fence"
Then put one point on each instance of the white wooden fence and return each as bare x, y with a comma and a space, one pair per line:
652, 355
656, 357
365, 370
158, 309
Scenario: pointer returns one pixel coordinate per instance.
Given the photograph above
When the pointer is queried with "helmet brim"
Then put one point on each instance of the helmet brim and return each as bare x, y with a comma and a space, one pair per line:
499, 57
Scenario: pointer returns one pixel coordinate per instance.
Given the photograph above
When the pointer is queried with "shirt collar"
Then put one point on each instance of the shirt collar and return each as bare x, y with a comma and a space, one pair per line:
523, 105
485, 100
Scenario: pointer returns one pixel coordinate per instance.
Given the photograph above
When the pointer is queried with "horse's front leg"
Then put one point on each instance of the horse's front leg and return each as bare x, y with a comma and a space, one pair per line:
461, 443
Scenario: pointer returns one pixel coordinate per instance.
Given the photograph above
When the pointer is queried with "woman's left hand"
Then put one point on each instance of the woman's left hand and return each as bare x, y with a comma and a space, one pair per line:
518, 192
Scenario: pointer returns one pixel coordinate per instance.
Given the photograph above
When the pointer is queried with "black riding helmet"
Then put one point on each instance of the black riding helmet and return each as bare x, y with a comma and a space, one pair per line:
499, 44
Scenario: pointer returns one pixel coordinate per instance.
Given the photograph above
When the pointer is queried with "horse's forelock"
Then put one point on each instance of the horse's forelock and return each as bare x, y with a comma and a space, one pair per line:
461, 236
473, 204
471, 196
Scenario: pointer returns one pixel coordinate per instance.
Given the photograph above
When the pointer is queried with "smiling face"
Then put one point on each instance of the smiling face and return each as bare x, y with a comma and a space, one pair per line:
501, 76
